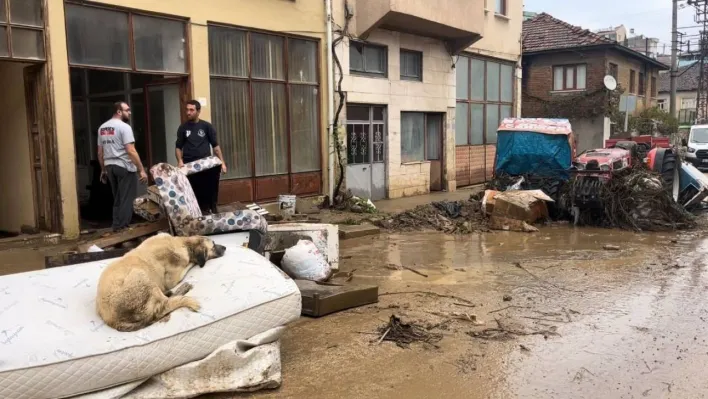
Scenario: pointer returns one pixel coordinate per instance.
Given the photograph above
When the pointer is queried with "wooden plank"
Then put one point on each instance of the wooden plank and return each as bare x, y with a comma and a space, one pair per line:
127, 235
347, 232
73, 259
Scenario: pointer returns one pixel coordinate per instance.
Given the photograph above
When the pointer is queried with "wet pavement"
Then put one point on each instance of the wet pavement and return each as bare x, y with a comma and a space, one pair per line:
582, 322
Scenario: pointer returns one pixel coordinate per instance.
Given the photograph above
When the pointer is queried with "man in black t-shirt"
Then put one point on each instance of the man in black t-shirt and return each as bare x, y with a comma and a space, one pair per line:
195, 140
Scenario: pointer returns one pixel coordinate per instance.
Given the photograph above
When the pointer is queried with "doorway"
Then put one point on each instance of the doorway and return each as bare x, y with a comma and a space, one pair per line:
157, 105
433, 149
366, 151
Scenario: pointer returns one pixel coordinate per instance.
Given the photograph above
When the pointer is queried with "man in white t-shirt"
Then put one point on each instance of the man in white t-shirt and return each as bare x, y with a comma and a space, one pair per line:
120, 163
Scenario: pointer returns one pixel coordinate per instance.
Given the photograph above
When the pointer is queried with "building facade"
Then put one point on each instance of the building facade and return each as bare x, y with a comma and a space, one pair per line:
567, 64
411, 81
687, 80
259, 80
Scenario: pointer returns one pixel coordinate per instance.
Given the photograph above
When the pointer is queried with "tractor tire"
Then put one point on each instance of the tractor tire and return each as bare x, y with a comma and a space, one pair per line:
665, 163
553, 188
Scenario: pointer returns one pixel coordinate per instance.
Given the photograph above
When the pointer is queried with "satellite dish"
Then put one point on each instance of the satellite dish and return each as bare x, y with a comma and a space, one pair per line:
610, 82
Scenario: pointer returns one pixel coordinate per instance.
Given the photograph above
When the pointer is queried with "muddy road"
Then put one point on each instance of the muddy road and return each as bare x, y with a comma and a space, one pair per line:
562, 318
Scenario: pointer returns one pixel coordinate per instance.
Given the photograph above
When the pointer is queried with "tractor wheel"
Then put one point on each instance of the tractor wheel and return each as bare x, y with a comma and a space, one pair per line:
552, 188
668, 169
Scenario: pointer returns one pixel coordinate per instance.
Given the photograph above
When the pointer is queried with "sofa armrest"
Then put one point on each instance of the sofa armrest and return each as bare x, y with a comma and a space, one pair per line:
200, 165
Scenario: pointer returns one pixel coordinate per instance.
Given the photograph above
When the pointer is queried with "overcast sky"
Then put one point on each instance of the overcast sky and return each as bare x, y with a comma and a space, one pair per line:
648, 17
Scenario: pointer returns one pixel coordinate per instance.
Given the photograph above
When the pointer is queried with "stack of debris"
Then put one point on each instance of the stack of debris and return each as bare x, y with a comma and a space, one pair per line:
452, 217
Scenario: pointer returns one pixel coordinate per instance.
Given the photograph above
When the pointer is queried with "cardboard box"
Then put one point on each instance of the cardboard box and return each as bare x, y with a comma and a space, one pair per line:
525, 205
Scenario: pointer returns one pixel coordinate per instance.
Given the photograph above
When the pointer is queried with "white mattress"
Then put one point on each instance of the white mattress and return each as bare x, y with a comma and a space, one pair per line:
53, 344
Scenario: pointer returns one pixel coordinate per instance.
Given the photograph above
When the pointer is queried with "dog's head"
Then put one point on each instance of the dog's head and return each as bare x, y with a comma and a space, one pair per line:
201, 249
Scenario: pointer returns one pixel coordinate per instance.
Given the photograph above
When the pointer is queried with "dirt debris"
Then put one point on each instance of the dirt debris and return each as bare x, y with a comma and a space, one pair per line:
404, 334
451, 217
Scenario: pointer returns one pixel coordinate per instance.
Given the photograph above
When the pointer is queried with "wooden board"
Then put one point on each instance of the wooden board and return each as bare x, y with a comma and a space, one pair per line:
127, 235
320, 300
74, 259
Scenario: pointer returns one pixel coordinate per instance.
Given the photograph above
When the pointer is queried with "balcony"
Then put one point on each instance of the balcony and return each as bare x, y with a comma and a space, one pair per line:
457, 22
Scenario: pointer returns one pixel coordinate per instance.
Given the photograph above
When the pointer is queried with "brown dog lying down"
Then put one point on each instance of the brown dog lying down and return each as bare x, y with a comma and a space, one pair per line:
134, 291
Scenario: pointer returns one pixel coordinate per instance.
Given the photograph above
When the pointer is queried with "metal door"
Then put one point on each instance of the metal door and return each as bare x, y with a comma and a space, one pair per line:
366, 151
433, 149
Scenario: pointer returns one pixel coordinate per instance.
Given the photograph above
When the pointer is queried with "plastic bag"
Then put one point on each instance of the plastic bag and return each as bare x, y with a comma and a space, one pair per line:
305, 262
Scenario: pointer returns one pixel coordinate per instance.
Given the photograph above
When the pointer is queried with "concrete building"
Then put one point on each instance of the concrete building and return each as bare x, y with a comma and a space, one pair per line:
617, 33
407, 73
687, 80
564, 68
64, 63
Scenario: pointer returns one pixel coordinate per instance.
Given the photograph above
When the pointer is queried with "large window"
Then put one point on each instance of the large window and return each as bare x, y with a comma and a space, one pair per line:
485, 95
569, 77
632, 81
411, 65
421, 137
265, 95
500, 7
22, 29
101, 37
641, 84
368, 59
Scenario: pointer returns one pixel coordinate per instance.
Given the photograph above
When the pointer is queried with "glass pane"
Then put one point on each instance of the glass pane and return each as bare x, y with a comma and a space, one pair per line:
375, 59
356, 57
505, 112
581, 76
477, 80
269, 119
477, 123
97, 36
433, 140
462, 71
492, 123
267, 56
507, 87
26, 12
411, 65
412, 136
461, 115
227, 52
27, 43
558, 78
4, 49
105, 81
358, 143
492, 81
357, 113
165, 115
379, 113
230, 104
304, 129
3, 14
159, 44
378, 141
570, 78
499, 7
302, 61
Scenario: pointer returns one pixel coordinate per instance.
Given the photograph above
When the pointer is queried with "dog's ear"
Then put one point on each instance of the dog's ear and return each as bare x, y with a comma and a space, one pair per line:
201, 255
197, 251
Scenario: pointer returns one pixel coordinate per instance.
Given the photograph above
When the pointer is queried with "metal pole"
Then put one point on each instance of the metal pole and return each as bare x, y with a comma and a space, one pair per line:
330, 104
674, 54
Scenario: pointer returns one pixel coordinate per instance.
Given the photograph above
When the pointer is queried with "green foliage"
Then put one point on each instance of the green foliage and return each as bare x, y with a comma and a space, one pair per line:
653, 119
584, 105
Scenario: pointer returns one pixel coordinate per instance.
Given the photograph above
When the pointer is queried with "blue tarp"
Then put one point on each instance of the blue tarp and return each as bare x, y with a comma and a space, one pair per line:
539, 154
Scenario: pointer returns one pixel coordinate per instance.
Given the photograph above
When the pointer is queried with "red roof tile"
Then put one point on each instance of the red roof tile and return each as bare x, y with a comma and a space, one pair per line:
543, 32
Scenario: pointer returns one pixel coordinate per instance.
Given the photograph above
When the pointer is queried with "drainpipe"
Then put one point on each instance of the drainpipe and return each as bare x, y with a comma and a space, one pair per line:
330, 101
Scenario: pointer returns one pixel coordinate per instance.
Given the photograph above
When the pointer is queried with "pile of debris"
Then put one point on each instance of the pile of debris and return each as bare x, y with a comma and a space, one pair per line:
452, 217
636, 199
348, 202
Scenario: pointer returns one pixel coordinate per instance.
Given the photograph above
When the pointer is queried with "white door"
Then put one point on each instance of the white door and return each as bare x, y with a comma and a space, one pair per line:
366, 151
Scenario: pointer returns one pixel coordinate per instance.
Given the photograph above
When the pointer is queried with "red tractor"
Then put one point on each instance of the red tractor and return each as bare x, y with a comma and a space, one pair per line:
594, 168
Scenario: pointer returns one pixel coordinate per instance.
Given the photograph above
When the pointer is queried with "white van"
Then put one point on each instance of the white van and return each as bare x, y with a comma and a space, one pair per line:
697, 151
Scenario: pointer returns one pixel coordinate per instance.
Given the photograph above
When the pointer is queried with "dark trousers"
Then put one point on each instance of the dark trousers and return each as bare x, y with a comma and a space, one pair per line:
124, 185
206, 188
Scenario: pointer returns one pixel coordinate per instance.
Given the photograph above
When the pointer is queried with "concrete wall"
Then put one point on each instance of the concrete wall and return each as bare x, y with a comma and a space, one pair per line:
17, 202
301, 17
436, 93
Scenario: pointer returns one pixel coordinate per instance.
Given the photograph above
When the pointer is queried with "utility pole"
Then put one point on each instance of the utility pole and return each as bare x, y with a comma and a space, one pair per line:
674, 54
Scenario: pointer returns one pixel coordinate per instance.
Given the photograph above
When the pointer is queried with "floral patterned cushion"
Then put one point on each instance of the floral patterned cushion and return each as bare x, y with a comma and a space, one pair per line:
200, 165
183, 211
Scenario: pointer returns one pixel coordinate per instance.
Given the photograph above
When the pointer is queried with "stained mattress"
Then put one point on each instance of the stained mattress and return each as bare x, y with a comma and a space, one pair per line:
54, 345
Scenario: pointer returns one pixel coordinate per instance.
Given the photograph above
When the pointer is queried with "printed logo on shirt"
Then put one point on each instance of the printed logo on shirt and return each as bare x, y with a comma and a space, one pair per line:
107, 131
201, 133
188, 133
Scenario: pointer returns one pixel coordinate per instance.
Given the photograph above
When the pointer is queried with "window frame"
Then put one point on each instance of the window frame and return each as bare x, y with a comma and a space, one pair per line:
407, 77
131, 40
9, 25
426, 115
287, 83
382, 47
566, 68
654, 89
484, 102
642, 84
632, 83
504, 8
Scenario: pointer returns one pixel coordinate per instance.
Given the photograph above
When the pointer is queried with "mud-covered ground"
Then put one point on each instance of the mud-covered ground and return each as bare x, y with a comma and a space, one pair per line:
578, 321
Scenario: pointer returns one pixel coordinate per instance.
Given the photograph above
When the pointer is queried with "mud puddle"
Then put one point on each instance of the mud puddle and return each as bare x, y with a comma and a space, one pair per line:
575, 320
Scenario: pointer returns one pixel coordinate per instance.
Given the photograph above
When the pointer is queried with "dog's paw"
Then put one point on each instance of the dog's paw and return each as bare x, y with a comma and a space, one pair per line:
192, 304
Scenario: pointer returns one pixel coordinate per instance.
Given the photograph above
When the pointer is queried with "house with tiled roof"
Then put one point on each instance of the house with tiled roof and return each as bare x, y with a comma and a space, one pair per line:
563, 71
686, 92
